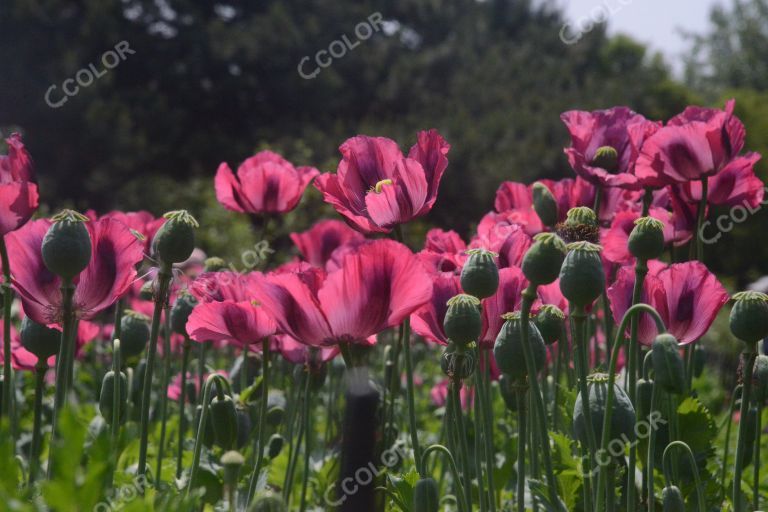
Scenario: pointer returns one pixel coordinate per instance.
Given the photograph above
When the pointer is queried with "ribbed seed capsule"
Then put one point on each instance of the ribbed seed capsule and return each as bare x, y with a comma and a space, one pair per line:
668, 368
508, 348
749, 316
107, 396
550, 321
581, 225
463, 322
646, 241
582, 278
175, 240
541, 264
622, 415
480, 274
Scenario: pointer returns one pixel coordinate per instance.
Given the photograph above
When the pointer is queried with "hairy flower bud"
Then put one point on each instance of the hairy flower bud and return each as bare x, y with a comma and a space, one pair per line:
749, 316
668, 369
646, 241
175, 240
134, 333
463, 322
544, 204
542, 262
182, 308
672, 499
66, 247
480, 275
508, 348
107, 397
426, 496
582, 278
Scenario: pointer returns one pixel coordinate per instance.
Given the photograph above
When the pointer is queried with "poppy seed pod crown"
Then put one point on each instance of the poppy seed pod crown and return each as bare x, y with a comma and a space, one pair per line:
175, 240
606, 157
463, 322
544, 204
542, 262
749, 316
549, 321
66, 247
646, 241
581, 224
480, 275
582, 278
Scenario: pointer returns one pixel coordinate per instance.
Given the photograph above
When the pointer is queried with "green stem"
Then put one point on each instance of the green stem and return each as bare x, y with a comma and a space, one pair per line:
539, 413
164, 397
201, 426
182, 403
116, 399
666, 466
458, 416
727, 447
62, 365
479, 449
460, 498
610, 490
486, 405
262, 430
307, 442
756, 459
598, 200
164, 281
34, 452
749, 355
522, 437
405, 341
201, 351
8, 385
244, 369
652, 451
294, 452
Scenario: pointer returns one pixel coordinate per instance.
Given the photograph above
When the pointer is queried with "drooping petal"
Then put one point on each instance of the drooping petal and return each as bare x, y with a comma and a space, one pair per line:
430, 151
228, 192
18, 201
242, 323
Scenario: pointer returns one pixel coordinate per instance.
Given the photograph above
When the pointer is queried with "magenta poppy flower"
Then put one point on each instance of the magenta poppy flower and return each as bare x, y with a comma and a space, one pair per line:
115, 253
427, 321
444, 251
18, 194
619, 128
507, 298
615, 239
377, 287
376, 188
686, 295
696, 144
509, 241
318, 243
241, 323
142, 222
735, 185
265, 183
221, 286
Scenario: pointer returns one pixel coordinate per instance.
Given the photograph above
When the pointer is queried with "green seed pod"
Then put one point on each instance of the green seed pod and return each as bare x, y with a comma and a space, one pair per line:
268, 502
107, 397
622, 415
544, 204
463, 322
208, 437
508, 390
669, 372
182, 308
66, 247
457, 363
542, 262
426, 496
244, 426
134, 333
749, 316
549, 321
760, 386
480, 275
646, 241
508, 348
275, 446
175, 240
606, 157
672, 499
582, 278
223, 417
644, 390
214, 264
581, 225
232, 461
42, 341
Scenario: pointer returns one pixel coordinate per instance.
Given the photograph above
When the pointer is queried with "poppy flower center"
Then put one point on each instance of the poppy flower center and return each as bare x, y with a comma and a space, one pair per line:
606, 158
379, 185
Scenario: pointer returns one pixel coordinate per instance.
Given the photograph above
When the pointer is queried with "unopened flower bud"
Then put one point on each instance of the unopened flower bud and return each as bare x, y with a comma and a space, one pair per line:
175, 240
480, 275
544, 204
582, 278
542, 262
749, 316
66, 247
463, 322
426, 496
672, 499
457, 363
134, 333
761, 378
646, 241
668, 369
107, 397
182, 308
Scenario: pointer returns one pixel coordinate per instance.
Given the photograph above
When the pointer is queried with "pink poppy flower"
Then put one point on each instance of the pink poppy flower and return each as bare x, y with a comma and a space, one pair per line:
142, 222
735, 185
686, 295
377, 287
221, 286
242, 323
696, 144
109, 275
509, 241
507, 298
615, 239
18, 194
444, 251
376, 188
318, 243
619, 128
427, 321
265, 183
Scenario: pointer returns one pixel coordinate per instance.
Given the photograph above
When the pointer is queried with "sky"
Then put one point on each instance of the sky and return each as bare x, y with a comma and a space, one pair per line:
654, 22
